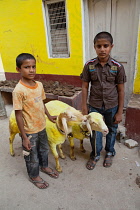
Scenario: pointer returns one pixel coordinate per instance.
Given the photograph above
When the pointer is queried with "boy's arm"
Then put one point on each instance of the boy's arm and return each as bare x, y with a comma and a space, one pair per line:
85, 86
118, 116
19, 119
51, 118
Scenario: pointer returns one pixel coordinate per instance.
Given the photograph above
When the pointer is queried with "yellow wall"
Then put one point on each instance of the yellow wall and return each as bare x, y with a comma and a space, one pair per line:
22, 29
137, 75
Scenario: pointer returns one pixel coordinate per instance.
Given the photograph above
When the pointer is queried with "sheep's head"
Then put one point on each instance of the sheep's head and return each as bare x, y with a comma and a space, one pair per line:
73, 115
97, 123
67, 118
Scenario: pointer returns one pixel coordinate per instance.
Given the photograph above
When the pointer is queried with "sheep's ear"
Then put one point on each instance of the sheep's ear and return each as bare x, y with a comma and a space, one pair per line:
89, 127
64, 123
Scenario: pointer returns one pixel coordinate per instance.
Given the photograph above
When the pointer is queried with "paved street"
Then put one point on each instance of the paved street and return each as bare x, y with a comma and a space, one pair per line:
77, 188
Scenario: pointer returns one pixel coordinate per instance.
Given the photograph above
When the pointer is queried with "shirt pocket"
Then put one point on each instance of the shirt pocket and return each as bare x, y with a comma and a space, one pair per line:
94, 76
110, 79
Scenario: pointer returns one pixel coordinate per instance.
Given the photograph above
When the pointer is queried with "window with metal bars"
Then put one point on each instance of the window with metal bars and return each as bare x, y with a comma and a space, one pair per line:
56, 20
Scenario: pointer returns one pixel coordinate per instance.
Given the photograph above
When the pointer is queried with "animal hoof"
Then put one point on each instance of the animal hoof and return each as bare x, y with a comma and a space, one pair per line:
73, 158
83, 150
59, 170
62, 156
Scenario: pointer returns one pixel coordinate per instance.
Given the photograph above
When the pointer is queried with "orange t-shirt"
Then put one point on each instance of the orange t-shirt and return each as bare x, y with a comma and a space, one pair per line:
30, 101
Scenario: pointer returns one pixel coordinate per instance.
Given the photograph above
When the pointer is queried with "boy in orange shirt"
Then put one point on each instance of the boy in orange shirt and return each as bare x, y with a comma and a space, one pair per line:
30, 111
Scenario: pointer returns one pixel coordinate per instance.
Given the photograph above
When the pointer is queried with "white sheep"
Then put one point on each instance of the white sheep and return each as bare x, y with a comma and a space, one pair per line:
56, 132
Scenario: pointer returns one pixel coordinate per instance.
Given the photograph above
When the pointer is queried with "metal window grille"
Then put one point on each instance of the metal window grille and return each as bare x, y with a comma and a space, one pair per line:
57, 29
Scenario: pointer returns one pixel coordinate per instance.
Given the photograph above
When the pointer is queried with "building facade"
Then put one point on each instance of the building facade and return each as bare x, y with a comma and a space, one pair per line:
59, 33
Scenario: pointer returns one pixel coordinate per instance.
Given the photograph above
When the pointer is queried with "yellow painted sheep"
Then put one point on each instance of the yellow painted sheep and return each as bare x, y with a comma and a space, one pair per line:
57, 132
80, 130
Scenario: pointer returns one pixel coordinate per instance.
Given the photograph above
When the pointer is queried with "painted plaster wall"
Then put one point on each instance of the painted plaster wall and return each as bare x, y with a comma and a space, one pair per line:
22, 29
137, 74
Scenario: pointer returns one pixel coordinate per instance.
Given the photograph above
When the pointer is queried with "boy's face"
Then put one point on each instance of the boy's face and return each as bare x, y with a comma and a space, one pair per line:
28, 69
103, 48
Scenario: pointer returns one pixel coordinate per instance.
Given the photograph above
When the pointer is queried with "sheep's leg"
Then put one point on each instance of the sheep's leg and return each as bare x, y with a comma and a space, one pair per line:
61, 152
55, 154
72, 156
11, 139
82, 149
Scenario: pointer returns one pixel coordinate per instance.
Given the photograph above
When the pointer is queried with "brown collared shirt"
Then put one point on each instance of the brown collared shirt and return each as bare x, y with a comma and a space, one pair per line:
104, 81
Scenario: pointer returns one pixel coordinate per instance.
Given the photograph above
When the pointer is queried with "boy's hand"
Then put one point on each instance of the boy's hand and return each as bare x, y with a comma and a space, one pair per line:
26, 144
118, 118
52, 118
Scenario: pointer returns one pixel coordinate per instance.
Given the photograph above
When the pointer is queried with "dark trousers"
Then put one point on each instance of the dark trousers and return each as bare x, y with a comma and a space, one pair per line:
96, 139
38, 154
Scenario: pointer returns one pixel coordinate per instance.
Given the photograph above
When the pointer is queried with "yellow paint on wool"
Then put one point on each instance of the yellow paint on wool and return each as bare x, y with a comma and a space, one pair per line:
23, 30
137, 75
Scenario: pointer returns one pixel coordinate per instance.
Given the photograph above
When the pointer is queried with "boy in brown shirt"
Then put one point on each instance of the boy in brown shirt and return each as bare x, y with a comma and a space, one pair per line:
107, 78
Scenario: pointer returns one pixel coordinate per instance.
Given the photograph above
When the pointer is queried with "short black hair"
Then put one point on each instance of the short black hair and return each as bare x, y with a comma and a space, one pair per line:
104, 35
22, 57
